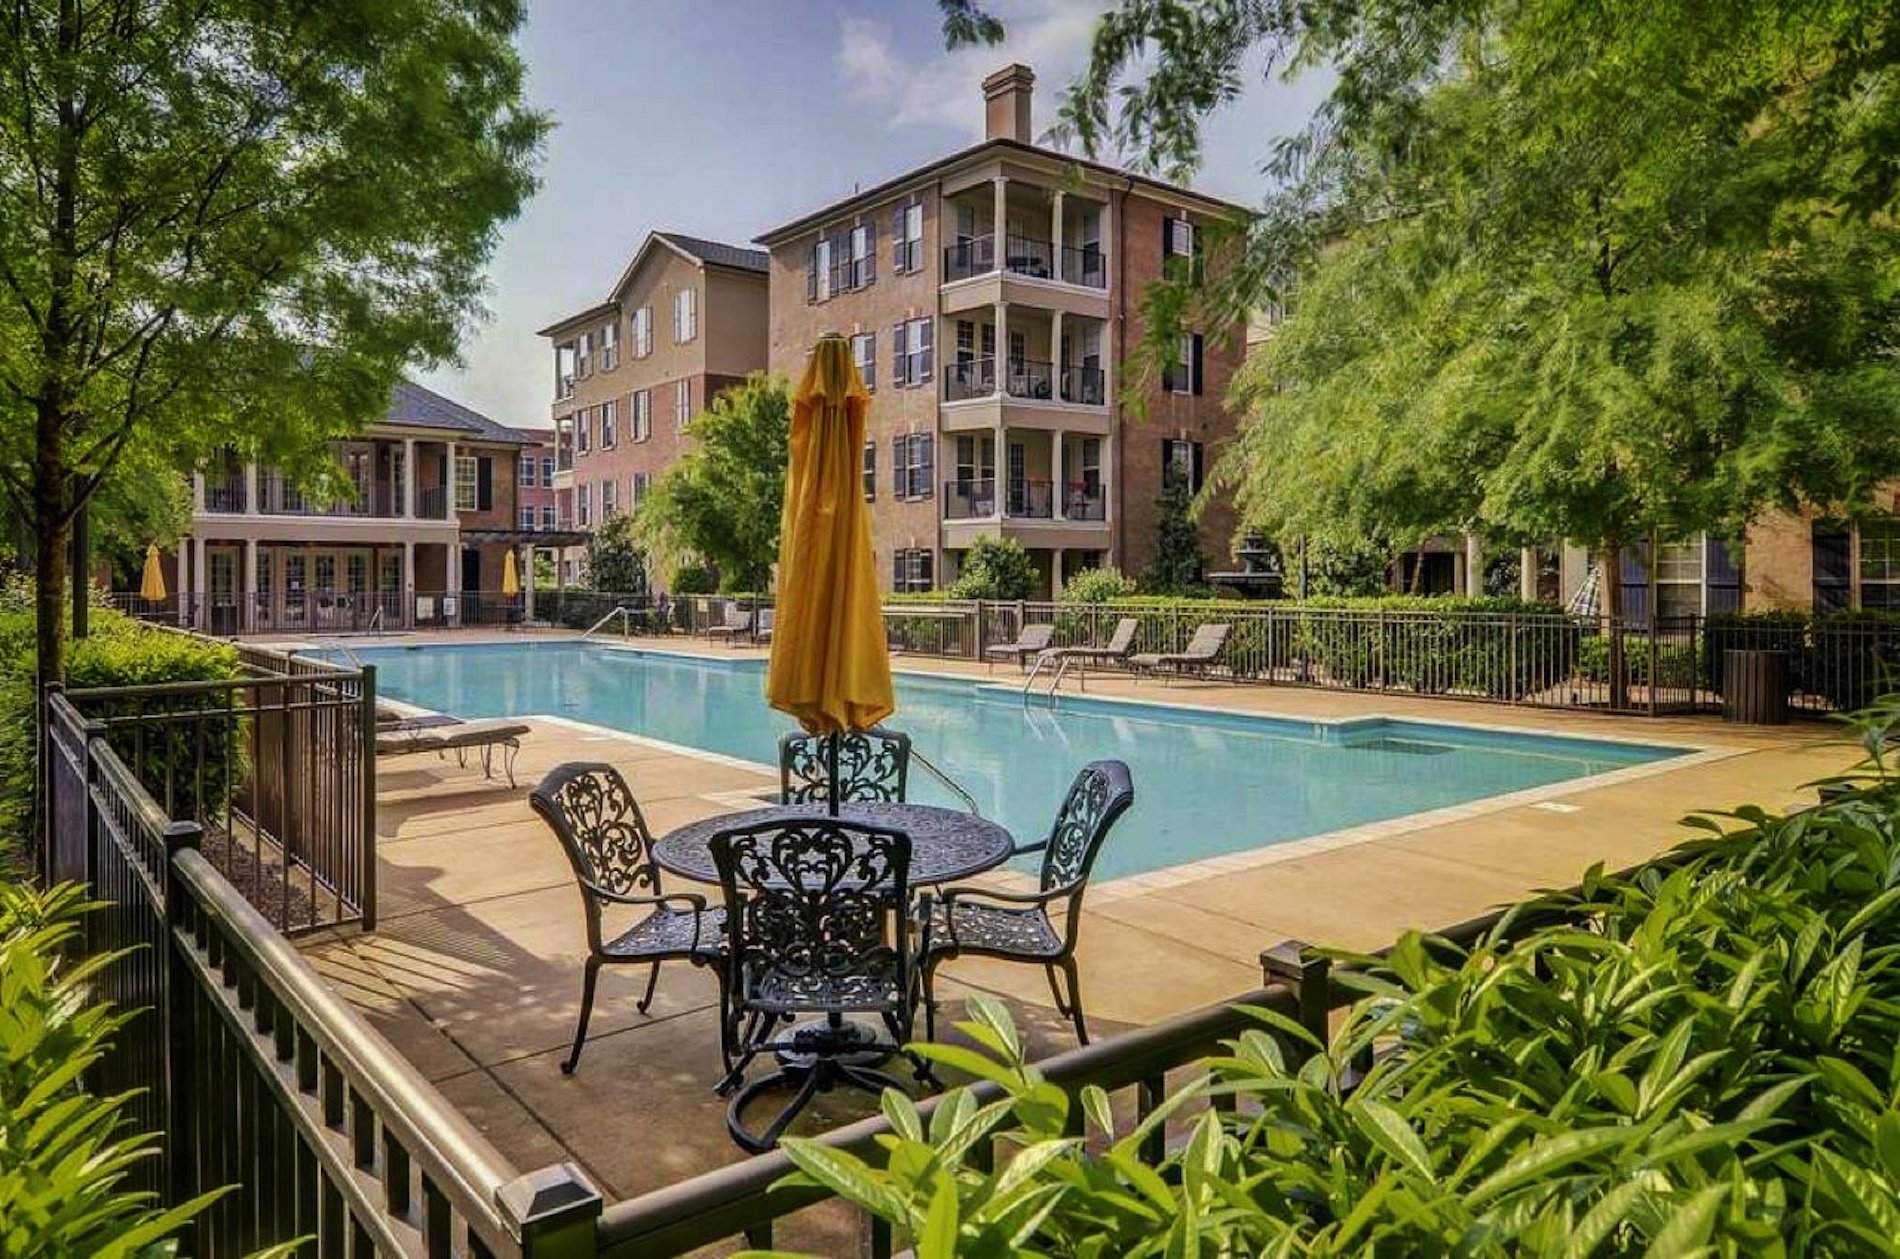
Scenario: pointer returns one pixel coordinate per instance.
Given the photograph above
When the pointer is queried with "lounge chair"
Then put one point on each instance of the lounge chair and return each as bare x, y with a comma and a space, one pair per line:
460, 738
733, 624
1203, 651
391, 720
1033, 641
764, 632
1114, 651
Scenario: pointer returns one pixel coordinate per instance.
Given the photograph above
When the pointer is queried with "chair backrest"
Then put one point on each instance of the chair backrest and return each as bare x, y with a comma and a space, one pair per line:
591, 810
873, 766
822, 898
1100, 794
765, 618
1036, 637
1122, 641
1208, 640
737, 617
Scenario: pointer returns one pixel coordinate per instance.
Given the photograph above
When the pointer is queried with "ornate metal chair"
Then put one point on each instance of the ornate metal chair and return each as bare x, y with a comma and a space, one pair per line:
593, 813
819, 913
1020, 926
872, 766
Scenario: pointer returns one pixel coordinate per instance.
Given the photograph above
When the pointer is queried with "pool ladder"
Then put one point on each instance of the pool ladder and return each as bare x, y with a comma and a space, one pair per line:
1055, 683
956, 789
626, 624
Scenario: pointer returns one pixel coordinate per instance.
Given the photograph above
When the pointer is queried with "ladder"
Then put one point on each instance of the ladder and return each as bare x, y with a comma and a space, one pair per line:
1062, 663
626, 623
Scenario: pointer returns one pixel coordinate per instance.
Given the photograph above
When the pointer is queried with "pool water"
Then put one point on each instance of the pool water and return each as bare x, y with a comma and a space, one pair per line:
1206, 784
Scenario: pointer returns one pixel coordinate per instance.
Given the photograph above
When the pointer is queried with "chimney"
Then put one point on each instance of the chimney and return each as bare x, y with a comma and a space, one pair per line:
1006, 103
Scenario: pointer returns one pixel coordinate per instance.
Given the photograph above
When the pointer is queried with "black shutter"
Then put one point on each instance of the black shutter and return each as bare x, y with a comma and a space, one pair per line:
870, 250
927, 463
1167, 460
1195, 483
811, 275
1199, 267
897, 356
897, 242
1635, 579
930, 350
1722, 577
897, 570
484, 484
1167, 248
900, 473
927, 564
1833, 567
1195, 367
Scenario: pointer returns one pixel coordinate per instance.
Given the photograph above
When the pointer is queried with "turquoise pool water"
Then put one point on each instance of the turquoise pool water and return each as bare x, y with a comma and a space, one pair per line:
1205, 784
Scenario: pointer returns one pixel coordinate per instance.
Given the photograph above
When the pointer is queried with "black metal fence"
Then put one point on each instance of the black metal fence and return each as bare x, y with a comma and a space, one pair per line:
255, 1073
276, 766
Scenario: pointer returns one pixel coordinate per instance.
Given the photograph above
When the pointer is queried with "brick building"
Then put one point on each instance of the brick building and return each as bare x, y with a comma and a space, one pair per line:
991, 298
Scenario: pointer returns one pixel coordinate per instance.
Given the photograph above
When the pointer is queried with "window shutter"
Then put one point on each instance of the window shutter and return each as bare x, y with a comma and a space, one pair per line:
484, 484
811, 276
870, 250
1195, 366
1195, 482
870, 361
927, 464
900, 474
897, 241
927, 564
1833, 566
897, 356
930, 352
1167, 248
1200, 263
897, 570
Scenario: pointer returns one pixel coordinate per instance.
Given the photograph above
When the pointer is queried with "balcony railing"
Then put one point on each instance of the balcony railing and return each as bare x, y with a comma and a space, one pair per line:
970, 378
1085, 386
1029, 378
970, 498
1035, 379
1026, 256
1031, 499
1083, 501
433, 503
280, 498
225, 498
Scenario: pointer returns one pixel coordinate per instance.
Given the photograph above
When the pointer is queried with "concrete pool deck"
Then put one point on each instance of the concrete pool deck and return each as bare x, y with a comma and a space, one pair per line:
474, 968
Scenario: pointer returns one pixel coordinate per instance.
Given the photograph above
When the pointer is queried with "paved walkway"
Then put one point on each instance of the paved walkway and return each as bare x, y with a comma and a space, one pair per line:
474, 969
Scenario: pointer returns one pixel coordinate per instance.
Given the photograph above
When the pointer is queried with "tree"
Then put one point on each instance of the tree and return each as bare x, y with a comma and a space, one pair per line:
1622, 270
233, 223
722, 499
994, 568
1178, 563
615, 561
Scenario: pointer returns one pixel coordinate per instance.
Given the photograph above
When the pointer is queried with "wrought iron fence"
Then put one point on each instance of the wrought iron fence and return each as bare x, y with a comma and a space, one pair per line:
277, 766
257, 1075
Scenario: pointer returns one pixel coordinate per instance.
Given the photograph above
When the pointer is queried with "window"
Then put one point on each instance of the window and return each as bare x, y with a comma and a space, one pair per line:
547, 515
584, 504
524, 471
584, 356
870, 471
609, 424
564, 370
1879, 565
547, 471
911, 356
912, 460
682, 403
466, 472
527, 519
358, 573
609, 500
641, 481
818, 271
643, 332
610, 346
1183, 375
642, 408
583, 429
911, 570
1181, 250
907, 243
864, 354
1181, 458
1679, 578
863, 256
685, 315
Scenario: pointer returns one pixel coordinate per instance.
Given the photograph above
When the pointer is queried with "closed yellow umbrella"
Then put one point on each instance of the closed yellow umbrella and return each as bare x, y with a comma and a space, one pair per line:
510, 577
831, 668
152, 584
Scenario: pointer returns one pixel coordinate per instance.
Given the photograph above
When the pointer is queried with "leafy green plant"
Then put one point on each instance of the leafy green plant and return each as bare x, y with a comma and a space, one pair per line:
694, 579
1696, 1059
995, 568
1097, 585
65, 1155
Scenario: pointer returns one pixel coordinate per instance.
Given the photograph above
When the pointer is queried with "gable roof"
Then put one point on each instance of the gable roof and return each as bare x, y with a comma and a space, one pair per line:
416, 407
695, 249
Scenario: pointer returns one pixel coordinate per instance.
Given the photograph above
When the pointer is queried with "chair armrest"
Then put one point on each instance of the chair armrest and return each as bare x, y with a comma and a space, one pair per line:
691, 899
950, 895
1024, 849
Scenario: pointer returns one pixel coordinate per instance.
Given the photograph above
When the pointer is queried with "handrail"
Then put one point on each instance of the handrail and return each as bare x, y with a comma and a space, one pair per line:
969, 801
620, 610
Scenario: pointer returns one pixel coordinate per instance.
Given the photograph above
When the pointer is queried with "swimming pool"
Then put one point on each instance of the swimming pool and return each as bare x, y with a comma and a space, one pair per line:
1206, 784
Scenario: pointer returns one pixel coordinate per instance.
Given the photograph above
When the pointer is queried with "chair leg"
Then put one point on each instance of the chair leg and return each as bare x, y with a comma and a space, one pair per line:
653, 980
930, 1002
1055, 990
1075, 1001
587, 1008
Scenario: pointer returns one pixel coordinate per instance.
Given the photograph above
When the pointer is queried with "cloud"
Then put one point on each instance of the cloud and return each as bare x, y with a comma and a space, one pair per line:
940, 89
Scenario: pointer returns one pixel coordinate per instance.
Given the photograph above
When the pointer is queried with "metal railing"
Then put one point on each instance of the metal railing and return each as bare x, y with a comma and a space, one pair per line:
1086, 265
969, 498
255, 1074
969, 378
1031, 498
1086, 386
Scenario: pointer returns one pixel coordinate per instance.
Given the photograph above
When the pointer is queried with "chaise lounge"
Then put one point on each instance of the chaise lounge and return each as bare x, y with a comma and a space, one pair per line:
1114, 651
733, 624
1203, 652
1033, 641
460, 737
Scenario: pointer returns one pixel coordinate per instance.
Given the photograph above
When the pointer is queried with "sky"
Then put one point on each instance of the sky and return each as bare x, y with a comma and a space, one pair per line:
723, 118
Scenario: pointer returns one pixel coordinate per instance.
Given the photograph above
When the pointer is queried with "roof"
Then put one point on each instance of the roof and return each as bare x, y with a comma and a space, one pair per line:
697, 249
413, 406
1002, 144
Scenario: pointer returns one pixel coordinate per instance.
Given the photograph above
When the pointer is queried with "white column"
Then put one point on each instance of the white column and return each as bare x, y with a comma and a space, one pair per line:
1055, 239
452, 576
181, 586
198, 491
251, 505
999, 232
247, 617
408, 478
1057, 365
1058, 461
1000, 363
1527, 574
1055, 572
408, 583
1474, 565
200, 579
527, 581
448, 485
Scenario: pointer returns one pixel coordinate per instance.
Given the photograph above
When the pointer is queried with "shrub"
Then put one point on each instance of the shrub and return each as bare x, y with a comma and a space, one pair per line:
64, 1155
1097, 585
1694, 1060
995, 568
693, 579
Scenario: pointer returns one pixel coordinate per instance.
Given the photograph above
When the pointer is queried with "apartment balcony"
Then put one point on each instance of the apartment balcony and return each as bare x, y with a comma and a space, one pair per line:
985, 393
1028, 271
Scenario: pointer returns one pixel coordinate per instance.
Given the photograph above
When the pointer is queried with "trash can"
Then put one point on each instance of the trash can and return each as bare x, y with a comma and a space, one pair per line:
1755, 687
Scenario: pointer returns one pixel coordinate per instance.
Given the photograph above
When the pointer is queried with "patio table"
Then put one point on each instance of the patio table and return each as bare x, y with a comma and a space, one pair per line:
945, 844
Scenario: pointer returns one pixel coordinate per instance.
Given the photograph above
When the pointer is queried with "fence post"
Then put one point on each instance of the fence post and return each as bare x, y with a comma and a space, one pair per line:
554, 1212
366, 760
179, 1051
43, 782
1293, 963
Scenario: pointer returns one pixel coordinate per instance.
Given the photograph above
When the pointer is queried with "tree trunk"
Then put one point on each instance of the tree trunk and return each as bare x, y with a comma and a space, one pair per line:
1612, 560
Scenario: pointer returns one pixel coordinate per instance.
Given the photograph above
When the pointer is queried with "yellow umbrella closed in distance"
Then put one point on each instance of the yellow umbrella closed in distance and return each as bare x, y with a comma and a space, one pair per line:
830, 668
152, 582
510, 575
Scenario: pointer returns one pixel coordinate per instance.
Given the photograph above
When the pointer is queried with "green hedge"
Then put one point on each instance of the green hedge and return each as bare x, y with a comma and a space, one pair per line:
1699, 1061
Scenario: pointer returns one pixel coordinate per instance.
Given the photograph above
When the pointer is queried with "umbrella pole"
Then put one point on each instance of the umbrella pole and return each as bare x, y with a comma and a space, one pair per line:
832, 741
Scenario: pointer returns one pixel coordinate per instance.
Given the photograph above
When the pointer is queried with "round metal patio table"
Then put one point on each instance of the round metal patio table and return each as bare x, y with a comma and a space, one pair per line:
945, 844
